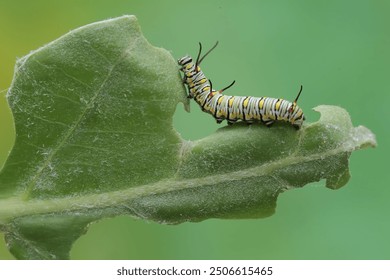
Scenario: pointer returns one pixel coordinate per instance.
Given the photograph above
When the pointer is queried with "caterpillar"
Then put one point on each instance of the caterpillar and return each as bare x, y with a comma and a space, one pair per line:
248, 109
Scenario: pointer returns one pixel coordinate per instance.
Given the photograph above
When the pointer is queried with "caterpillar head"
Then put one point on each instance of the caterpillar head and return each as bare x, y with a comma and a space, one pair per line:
185, 63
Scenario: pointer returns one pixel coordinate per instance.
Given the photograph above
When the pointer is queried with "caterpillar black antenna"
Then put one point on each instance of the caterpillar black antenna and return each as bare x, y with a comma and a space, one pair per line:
199, 60
299, 93
225, 88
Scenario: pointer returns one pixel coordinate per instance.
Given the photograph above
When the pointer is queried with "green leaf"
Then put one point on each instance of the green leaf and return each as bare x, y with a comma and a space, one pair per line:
94, 139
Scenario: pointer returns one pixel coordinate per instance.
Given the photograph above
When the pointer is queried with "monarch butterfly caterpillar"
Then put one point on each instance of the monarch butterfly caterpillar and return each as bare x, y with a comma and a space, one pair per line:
234, 108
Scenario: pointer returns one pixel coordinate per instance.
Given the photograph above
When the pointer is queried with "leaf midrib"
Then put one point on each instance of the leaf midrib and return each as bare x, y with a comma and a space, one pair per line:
15, 207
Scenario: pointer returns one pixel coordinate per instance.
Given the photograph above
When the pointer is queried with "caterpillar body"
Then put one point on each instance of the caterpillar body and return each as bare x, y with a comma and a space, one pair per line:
236, 108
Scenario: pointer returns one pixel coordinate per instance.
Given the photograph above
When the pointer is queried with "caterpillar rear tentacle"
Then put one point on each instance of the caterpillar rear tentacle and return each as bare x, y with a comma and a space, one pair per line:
266, 110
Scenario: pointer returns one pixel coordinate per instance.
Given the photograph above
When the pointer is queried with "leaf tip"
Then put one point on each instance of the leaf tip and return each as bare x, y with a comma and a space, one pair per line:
363, 137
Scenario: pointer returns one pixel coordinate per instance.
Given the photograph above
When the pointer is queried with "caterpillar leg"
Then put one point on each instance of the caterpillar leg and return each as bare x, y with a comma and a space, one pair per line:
297, 127
219, 121
268, 123
231, 121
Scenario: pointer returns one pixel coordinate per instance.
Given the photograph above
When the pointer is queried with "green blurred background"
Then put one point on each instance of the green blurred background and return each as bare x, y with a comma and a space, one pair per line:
339, 51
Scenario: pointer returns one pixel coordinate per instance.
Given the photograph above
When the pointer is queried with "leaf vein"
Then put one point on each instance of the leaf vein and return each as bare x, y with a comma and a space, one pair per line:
49, 121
